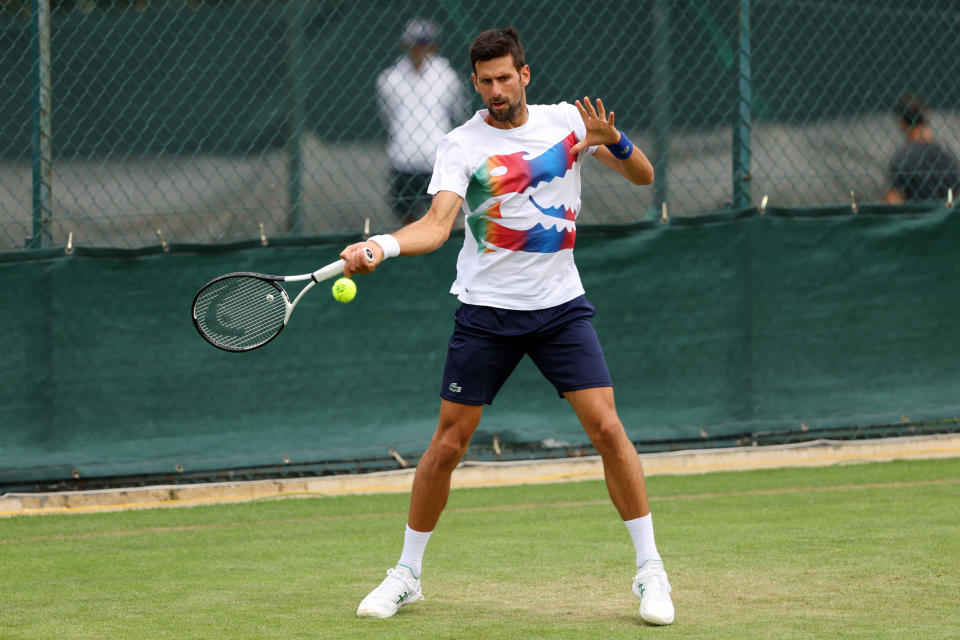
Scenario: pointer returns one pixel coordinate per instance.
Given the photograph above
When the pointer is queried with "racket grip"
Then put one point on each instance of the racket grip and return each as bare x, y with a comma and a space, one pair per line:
336, 268
327, 272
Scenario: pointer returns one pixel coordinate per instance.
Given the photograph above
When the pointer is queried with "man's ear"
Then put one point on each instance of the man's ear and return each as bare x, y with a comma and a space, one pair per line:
475, 87
525, 75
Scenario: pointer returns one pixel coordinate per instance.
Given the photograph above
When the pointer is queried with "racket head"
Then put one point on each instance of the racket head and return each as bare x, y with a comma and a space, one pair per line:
240, 311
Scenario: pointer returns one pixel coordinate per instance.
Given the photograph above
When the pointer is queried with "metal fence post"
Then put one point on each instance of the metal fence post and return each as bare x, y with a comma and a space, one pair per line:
662, 107
742, 123
295, 50
42, 152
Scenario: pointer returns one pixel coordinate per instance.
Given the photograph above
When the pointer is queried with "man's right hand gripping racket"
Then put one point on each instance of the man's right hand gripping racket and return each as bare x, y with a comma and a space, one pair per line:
241, 311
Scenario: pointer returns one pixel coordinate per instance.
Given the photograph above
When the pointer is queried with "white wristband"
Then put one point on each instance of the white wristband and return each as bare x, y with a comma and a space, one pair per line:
389, 244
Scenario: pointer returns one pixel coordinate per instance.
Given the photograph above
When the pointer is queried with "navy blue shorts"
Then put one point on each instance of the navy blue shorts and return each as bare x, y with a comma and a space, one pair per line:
488, 343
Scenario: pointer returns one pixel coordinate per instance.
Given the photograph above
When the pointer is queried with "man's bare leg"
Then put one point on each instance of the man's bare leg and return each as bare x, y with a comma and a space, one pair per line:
431, 482
431, 488
624, 475
621, 465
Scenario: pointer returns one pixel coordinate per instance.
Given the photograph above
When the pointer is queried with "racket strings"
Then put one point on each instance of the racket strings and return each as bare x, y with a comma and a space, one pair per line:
240, 312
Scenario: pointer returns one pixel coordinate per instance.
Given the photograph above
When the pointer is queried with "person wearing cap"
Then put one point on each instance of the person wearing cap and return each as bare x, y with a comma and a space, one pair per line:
420, 98
921, 169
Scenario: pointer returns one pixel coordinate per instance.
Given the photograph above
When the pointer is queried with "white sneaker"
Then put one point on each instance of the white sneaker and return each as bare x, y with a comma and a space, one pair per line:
651, 586
400, 587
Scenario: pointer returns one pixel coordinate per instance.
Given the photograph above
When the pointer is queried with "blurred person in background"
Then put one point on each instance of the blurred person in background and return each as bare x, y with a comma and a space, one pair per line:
420, 98
921, 169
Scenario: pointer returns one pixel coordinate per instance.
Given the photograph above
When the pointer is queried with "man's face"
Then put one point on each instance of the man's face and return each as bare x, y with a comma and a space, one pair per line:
501, 86
420, 51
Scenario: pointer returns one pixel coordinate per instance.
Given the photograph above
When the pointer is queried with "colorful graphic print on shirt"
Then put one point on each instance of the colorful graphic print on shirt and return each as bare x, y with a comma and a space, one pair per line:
514, 173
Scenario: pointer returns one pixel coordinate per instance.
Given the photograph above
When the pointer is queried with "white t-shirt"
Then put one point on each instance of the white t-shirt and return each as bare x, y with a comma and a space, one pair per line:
418, 107
521, 190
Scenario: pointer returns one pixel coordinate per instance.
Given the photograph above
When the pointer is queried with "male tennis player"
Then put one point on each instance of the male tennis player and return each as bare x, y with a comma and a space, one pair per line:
514, 170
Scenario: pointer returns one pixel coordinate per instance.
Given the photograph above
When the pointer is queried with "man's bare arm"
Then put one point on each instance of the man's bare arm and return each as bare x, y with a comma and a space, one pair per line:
637, 169
601, 132
421, 236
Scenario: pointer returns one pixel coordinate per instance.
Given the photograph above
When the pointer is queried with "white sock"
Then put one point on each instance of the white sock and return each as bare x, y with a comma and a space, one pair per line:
641, 531
414, 544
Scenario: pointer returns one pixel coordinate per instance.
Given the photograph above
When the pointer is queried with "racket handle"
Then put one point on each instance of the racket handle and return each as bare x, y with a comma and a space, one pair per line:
336, 268
327, 272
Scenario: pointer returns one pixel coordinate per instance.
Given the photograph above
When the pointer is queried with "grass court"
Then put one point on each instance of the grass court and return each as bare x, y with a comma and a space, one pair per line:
854, 551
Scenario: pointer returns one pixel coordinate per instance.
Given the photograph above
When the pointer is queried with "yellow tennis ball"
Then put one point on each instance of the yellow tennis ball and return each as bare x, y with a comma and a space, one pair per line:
344, 289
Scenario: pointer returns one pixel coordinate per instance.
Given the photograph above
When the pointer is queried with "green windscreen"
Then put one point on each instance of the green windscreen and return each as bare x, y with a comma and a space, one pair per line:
715, 326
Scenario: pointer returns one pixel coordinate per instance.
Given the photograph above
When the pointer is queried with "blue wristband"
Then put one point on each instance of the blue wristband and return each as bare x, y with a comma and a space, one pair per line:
623, 148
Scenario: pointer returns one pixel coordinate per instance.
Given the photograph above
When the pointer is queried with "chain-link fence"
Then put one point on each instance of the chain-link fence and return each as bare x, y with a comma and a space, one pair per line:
211, 121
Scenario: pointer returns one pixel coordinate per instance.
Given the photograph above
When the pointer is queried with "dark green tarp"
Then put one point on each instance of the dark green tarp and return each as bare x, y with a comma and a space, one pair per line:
712, 326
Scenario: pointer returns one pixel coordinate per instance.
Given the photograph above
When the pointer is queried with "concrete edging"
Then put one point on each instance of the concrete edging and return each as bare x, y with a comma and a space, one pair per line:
487, 474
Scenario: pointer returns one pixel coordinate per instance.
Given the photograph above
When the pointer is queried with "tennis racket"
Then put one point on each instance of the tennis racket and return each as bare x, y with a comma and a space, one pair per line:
241, 311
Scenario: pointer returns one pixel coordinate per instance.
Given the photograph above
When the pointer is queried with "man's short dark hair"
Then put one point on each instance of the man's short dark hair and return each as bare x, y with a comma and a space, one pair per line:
912, 110
496, 43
